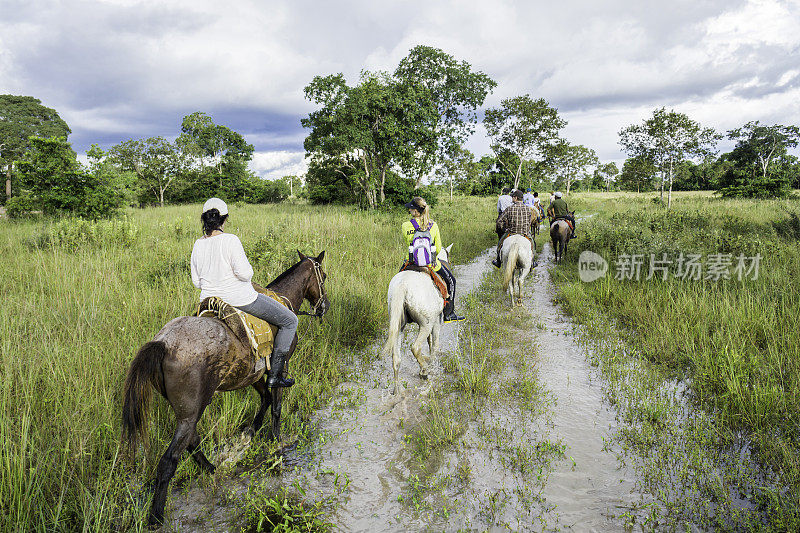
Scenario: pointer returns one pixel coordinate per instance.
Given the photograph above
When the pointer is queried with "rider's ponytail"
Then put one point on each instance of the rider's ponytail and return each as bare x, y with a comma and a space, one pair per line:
424, 213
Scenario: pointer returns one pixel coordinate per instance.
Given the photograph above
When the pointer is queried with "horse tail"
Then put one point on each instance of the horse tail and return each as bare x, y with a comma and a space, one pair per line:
396, 310
511, 264
138, 391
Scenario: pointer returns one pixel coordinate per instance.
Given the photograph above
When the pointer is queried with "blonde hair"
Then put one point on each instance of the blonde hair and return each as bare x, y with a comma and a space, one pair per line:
425, 215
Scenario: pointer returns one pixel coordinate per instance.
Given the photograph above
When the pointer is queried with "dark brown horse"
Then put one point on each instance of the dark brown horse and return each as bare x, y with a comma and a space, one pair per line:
560, 234
193, 357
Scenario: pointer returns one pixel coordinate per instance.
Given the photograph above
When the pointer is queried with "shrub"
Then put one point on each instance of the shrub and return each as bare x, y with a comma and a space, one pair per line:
73, 233
18, 206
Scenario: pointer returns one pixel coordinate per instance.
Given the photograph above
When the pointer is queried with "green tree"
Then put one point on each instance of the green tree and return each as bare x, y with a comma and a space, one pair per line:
294, 182
459, 165
156, 162
668, 138
203, 139
456, 91
761, 166
22, 117
378, 125
609, 172
523, 127
572, 161
55, 182
637, 174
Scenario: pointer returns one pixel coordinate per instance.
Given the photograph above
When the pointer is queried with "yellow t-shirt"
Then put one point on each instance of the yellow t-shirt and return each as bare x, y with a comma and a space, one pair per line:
408, 233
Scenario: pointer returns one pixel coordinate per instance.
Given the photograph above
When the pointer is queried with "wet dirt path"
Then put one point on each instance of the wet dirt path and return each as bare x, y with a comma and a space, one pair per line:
363, 436
588, 491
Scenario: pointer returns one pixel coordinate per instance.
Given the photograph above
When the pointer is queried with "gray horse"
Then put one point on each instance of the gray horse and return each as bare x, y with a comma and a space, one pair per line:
193, 357
560, 234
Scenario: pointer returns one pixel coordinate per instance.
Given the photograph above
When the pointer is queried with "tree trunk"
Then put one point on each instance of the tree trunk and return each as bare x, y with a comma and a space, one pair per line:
161, 196
451, 188
669, 197
569, 182
8, 183
518, 174
383, 181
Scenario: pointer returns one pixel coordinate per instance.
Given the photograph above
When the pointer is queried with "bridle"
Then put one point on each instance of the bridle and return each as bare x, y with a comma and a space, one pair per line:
321, 286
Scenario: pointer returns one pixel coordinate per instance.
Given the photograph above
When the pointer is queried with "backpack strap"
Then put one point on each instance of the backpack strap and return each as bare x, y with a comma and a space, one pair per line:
414, 223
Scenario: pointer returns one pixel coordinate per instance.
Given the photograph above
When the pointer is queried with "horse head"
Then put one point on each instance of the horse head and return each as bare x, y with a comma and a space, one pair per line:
444, 255
315, 286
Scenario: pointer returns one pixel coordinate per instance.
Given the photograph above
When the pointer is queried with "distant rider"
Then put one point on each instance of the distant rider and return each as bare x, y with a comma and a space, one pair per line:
558, 210
503, 201
527, 198
514, 220
420, 213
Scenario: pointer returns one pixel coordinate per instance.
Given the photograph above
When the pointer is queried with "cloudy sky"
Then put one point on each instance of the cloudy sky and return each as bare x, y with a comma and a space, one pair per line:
122, 69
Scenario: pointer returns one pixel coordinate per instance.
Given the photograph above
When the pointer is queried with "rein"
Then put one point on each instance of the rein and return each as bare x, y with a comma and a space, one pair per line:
318, 275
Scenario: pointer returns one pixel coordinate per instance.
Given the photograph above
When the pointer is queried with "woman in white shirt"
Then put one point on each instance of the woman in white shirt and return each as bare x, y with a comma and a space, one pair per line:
220, 268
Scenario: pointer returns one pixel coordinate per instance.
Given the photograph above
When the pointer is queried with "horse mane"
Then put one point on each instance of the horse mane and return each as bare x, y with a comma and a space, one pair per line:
288, 272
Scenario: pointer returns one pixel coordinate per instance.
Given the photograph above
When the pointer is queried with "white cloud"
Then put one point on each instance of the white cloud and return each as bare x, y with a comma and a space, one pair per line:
273, 165
121, 69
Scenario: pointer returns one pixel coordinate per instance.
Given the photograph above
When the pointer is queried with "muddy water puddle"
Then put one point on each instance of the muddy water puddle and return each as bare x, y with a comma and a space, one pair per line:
514, 465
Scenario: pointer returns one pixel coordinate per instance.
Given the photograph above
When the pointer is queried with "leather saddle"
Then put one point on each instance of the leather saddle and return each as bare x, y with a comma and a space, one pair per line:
438, 282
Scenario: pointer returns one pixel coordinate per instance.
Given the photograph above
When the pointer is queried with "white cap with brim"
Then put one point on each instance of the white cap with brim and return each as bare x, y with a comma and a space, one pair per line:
215, 203
558, 195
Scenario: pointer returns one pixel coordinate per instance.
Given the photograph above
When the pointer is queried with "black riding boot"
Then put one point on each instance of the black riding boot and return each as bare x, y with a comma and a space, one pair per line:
450, 313
497, 262
449, 303
275, 377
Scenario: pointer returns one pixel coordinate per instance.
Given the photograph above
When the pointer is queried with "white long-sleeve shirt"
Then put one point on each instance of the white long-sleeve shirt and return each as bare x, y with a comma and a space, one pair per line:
220, 268
503, 202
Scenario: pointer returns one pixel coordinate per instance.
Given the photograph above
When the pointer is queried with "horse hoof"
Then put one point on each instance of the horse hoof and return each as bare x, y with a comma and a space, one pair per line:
423, 375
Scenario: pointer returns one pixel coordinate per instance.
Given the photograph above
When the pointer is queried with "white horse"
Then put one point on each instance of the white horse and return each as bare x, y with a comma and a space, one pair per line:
413, 298
517, 258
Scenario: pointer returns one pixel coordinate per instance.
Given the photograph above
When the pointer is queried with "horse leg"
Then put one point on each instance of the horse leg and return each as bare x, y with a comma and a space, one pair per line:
197, 454
397, 355
275, 427
266, 401
184, 434
416, 348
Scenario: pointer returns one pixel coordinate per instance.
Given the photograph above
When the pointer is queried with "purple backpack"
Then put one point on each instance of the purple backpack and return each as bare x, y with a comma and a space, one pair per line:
422, 249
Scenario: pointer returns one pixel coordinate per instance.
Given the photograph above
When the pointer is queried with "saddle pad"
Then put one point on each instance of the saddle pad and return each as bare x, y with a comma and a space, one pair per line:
260, 334
437, 281
571, 227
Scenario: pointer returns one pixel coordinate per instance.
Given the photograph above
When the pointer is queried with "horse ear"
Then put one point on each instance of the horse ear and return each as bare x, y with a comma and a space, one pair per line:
302, 256
321, 256
448, 248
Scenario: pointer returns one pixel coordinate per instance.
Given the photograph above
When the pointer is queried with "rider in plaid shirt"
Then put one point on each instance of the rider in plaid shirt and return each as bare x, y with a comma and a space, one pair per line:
515, 219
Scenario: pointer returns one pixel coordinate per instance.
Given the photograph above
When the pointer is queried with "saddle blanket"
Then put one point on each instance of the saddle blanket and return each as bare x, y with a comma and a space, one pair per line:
571, 227
437, 281
259, 333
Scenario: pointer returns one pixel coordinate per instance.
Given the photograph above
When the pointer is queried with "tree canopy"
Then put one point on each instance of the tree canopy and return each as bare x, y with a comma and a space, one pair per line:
22, 117
760, 163
524, 127
370, 128
455, 90
668, 138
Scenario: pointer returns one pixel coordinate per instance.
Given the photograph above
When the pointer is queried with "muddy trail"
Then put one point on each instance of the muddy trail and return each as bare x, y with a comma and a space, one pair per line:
532, 455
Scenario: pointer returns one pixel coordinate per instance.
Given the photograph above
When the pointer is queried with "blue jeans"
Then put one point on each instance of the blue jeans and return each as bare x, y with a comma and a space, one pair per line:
268, 309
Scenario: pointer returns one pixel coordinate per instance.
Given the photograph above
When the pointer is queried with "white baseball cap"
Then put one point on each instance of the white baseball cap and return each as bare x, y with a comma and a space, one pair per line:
558, 195
215, 203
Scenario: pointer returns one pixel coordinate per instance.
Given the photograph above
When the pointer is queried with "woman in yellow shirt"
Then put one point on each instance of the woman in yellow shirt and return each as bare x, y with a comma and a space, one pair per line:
420, 213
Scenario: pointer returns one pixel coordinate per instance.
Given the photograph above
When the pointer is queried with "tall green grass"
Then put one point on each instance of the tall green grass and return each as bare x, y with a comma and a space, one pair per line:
78, 300
738, 341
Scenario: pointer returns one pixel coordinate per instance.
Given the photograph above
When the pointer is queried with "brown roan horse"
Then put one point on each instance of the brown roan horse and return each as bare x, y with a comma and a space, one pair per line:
560, 234
193, 357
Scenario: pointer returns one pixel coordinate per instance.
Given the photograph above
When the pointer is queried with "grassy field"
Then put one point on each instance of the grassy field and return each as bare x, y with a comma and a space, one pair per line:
733, 343
80, 298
